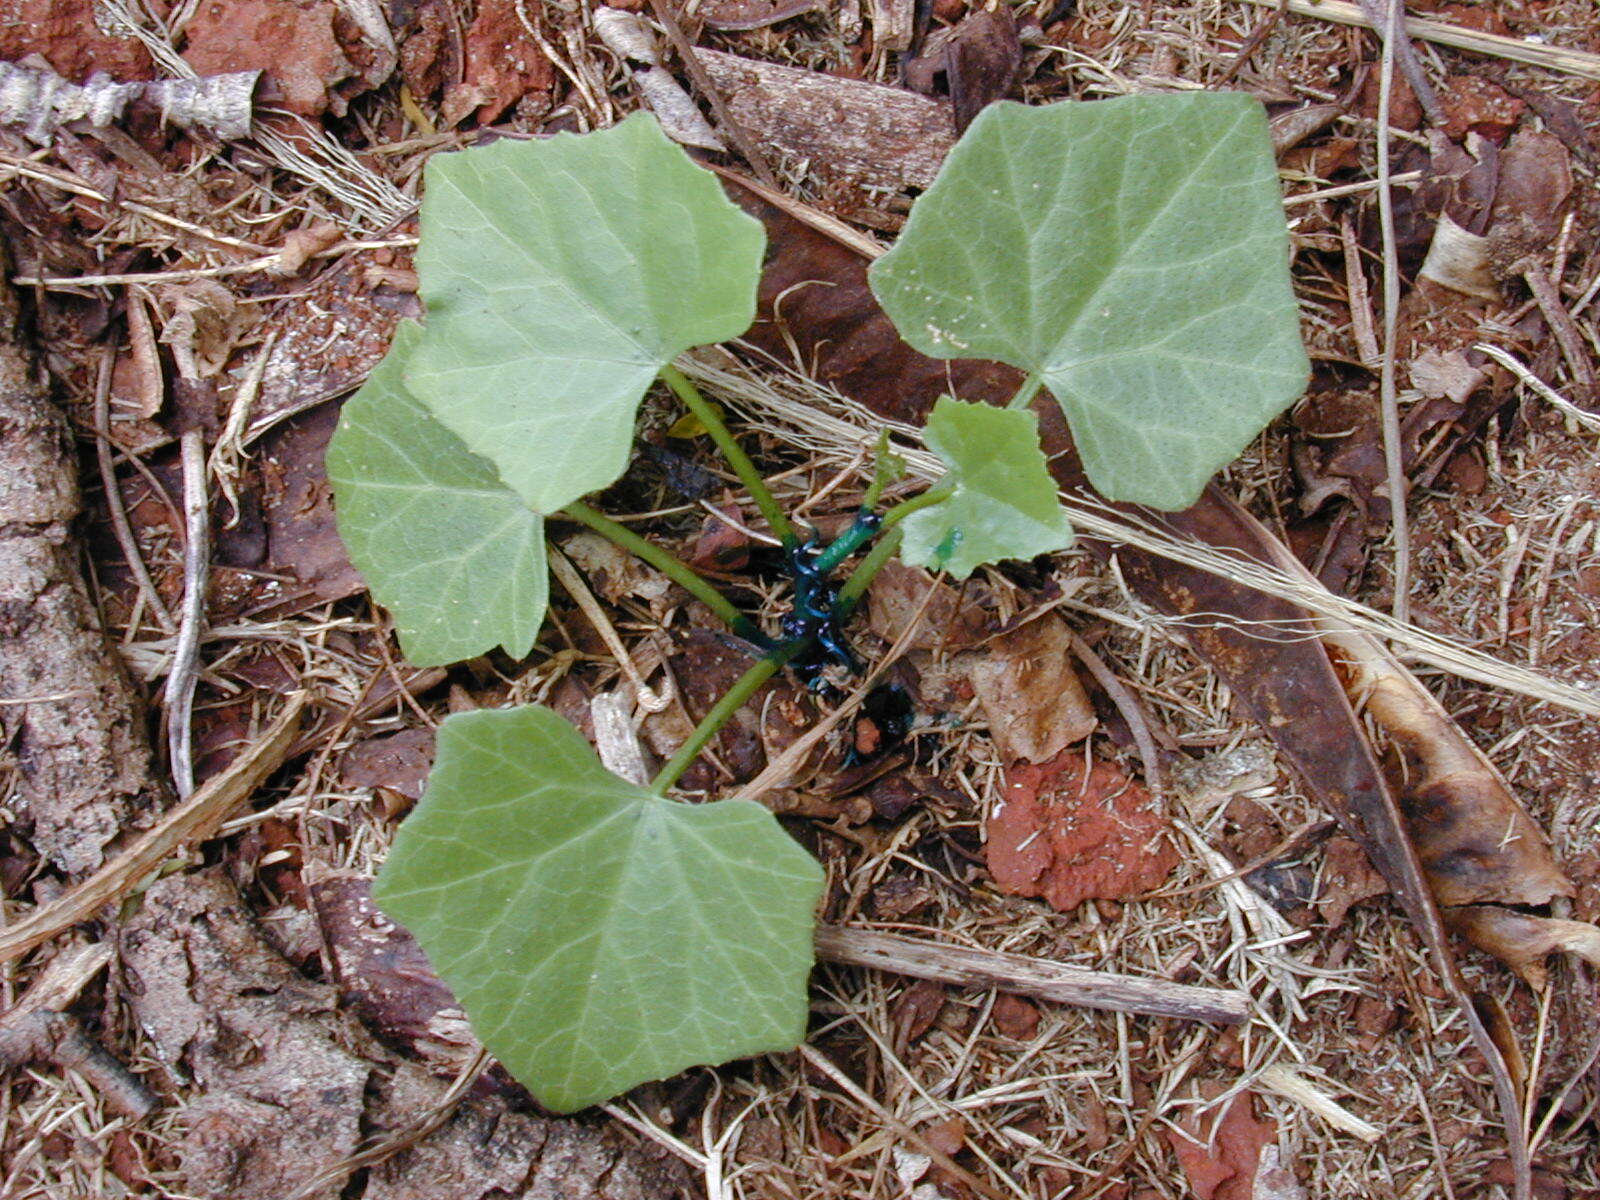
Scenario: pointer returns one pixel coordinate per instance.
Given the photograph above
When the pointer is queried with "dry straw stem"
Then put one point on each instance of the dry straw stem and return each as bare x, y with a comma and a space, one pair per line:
190, 821
1556, 58
1394, 466
818, 419
1540, 388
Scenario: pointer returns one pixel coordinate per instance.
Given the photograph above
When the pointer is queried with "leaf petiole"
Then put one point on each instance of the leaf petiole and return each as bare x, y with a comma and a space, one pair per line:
887, 466
743, 688
1025, 394
708, 416
674, 568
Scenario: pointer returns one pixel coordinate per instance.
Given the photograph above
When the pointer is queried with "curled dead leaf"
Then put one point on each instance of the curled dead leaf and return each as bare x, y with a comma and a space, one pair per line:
1522, 940
1030, 693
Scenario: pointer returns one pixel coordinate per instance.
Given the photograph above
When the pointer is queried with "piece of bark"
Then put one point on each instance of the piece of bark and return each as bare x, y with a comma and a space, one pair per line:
71, 718
487, 1150
282, 1096
41, 102
195, 819
291, 1085
877, 136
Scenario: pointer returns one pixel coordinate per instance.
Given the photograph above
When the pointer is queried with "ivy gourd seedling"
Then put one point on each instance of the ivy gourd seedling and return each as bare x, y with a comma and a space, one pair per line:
1130, 255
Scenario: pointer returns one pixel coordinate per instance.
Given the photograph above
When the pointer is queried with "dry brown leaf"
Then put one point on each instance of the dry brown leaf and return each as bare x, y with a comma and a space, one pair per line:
300, 244
1230, 1165
1445, 374
1030, 693
1071, 830
1522, 940
1532, 196
330, 336
397, 761
612, 571
503, 65
705, 664
953, 620
981, 62
204, 322
1015, 1017
382, 973
302, 538
294, 42
722, 546
1348, 878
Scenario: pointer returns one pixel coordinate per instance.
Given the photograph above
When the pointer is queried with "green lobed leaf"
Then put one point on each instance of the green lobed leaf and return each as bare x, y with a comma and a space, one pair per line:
1133, 254
448, 549
1004, 502
559, 276
598, 935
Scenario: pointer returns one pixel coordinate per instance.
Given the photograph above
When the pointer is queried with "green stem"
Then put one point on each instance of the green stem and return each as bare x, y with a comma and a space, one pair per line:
707, 415
674, 568
847, 543
851, 591
1026, 393
889, 542
743, 688
938, 492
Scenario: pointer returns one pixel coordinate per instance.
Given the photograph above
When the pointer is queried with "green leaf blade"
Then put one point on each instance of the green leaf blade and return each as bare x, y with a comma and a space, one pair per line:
597, 935
1132, 253
448, 549
1004, 501
559, 276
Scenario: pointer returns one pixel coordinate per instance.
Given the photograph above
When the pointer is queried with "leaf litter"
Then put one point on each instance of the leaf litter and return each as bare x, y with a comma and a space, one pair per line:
1036, 1127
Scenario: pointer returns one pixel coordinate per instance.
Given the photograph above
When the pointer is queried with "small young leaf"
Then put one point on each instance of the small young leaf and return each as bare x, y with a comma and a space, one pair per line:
596, 934
1004, 504
559, 277
1132, 253
452, 552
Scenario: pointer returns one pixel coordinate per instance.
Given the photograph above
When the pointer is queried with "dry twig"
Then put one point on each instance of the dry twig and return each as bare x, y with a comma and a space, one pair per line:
184, 671
1023, 976
190, 821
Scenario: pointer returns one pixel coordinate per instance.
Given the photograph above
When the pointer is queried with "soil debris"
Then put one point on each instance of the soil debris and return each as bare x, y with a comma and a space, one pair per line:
1073, 829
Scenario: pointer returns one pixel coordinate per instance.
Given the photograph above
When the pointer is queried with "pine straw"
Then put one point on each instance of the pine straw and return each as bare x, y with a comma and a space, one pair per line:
1090, 1092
